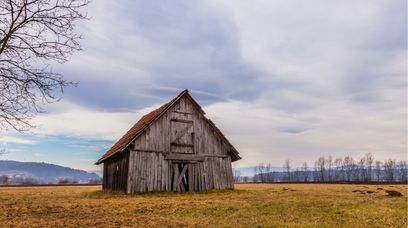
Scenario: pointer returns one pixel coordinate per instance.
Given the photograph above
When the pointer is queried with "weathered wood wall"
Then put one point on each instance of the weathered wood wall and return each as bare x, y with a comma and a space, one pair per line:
115, 172
181, 130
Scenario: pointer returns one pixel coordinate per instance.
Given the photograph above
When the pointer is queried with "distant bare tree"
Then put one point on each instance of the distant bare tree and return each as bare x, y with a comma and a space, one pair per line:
4, 179
361, 170
378, 170
348, 164
33, 33
256, 176
403, 168
245, 179
339, 175
95, 181
320, 166
305, 170
369, 162
261, 170
236, 174
269, 174
329, 165
286, 166
389, 169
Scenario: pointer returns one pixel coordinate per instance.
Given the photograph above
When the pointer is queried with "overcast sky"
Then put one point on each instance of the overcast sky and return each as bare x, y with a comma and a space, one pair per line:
282, 79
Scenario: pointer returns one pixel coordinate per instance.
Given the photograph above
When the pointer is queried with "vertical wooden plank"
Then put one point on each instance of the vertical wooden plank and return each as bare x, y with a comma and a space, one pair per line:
156, 168
150, 172
190, 178
175, 177
142, 172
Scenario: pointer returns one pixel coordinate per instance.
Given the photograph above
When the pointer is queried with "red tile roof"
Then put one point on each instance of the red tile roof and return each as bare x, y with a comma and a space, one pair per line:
146, 120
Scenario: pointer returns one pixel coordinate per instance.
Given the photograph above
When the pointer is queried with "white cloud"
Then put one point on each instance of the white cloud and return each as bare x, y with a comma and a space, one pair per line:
67, 118
15, 140
338, 128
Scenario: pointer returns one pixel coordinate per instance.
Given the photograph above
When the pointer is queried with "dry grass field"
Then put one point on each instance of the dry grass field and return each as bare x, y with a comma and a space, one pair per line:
249, 205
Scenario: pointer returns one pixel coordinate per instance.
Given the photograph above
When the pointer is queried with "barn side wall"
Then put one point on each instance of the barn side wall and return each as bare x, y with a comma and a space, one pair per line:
148, 171
115, 172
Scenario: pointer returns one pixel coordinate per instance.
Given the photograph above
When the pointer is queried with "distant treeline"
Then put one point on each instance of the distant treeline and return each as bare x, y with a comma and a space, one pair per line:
347, 169
13, 180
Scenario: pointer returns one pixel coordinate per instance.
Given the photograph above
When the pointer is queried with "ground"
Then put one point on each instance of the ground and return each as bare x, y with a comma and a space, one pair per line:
249, 205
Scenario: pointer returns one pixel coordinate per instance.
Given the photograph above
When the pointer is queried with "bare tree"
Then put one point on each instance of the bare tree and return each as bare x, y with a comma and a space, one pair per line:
339, 175
361, 176
389, 169
286, 166
33, 33
236, 174
369, 162
378, 170
329, 165
403, 168
349, 165
261, 169
256, 174
320, 167
305, 170
269, 174
4, 179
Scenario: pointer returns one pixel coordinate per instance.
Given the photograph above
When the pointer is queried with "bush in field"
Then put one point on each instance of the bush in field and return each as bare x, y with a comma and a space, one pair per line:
4, 179
67, 181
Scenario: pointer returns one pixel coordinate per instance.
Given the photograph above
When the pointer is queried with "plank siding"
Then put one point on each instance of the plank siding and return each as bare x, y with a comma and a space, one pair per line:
144, 168
115, 173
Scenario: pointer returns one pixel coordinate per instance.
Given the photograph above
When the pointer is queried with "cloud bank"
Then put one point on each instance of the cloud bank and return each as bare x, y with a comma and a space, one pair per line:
282, 79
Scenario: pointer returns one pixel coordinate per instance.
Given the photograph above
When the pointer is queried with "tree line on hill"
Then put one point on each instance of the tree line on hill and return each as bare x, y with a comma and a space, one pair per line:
7, 180
332, 170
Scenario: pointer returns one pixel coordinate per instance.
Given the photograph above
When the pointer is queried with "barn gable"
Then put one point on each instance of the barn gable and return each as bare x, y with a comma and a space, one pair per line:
173, 148
149, 118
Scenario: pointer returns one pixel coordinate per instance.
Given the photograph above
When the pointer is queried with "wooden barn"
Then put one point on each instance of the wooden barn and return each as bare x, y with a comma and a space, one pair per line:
173, 148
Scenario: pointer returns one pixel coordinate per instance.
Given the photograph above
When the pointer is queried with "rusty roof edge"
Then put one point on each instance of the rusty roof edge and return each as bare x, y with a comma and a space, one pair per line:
168, 106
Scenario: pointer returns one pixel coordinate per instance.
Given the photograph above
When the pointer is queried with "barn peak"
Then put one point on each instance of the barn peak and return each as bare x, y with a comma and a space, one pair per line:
138, 128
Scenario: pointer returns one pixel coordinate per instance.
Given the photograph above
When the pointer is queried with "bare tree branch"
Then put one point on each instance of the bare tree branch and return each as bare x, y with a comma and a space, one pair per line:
32, 33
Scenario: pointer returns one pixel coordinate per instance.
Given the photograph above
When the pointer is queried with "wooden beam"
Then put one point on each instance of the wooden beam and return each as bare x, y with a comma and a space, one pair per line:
167, 152
181, 121
179, 183
184, 157
214, 155
187, 113
181, 144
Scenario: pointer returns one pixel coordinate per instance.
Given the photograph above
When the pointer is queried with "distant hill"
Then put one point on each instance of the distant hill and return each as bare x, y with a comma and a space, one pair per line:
16, 172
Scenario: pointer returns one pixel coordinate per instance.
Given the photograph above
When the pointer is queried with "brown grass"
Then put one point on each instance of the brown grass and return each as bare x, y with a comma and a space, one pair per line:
250, 205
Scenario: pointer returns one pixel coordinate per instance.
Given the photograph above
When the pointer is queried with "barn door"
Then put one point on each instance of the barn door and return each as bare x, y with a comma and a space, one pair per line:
181, 133
183, 176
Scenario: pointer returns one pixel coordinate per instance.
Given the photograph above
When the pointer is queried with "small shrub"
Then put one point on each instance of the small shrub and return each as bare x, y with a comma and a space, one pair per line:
393, 193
